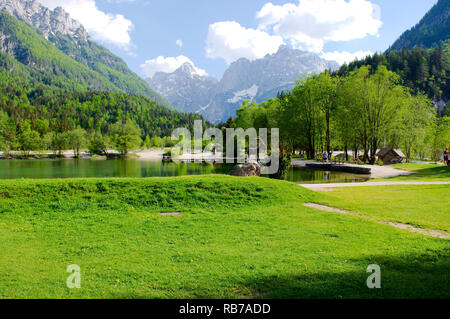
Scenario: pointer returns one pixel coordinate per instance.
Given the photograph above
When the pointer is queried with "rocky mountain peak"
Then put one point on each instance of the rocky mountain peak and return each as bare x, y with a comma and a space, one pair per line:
48, 22
256, 80
187, 69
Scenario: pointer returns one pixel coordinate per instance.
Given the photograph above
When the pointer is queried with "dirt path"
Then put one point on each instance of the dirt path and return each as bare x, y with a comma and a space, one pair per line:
328, 187
426, 232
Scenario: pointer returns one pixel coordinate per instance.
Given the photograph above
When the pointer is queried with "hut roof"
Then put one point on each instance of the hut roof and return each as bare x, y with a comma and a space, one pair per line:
386, 150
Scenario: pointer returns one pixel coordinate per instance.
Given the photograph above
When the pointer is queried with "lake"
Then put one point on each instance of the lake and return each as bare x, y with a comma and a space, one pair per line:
73, 168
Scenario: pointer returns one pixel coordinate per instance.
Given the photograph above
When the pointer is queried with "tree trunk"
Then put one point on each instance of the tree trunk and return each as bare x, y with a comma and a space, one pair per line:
373, 151
328, 132
310, 150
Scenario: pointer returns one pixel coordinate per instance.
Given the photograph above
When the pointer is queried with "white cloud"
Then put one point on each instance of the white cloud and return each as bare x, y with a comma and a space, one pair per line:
230, 41
344, 56
312, 23
168, 65
179, 42
105, 27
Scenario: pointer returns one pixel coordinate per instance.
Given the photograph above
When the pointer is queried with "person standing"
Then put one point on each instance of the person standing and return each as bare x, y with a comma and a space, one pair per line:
446, 162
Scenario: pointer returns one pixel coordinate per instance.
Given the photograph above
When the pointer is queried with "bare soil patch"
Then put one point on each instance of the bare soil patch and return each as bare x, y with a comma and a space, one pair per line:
426, 232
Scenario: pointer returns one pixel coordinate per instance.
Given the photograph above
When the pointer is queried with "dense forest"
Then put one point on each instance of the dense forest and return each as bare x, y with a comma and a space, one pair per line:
29, 107
430, 31
421, 70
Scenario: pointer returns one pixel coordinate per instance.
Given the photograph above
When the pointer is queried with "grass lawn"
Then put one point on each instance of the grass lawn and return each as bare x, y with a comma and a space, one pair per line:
424, 206
423, 172
235, 238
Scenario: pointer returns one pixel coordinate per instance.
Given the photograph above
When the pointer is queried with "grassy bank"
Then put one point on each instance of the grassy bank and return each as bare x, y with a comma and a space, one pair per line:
248, 237
424, 206
422, 172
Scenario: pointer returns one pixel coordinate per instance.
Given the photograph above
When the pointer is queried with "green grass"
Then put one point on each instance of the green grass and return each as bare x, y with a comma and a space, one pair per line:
236, 238
424, 206
423, 172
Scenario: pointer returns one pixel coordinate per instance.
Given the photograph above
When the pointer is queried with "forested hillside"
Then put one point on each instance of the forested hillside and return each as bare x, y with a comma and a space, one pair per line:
52, 108
46, 95
87, 66
430, 31
422, 70
101, 60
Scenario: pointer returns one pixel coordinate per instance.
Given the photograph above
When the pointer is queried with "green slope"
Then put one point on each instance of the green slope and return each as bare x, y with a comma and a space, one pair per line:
430, 31
53, 108
91, 68
101, 60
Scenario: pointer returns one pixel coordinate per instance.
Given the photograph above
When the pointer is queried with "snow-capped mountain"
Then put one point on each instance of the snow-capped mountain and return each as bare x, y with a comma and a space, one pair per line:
256, 80
188, 90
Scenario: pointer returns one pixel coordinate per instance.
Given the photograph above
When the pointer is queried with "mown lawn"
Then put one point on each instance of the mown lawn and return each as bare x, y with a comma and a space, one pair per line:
236, 237
425, 206
423, 172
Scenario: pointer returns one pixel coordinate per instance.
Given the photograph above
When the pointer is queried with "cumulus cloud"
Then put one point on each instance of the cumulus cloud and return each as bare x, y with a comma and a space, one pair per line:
230, 41
179, 43
168, 65
102, 26
312, 23
344, 56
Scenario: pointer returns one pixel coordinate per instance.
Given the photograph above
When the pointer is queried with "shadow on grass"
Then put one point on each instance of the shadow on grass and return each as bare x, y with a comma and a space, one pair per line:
426, 276
434, 172
410, 277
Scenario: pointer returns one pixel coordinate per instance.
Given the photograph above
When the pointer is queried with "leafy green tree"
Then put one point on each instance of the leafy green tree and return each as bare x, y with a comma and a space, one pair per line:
76, 139
416, 115
147, 142
46, 141
324, 90
29, 140
307, 117
59, 143
440, 137
126, 136
98, 144
8, 134
374, 100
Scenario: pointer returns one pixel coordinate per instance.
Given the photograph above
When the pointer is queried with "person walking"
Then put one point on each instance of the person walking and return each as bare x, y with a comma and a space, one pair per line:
446, 162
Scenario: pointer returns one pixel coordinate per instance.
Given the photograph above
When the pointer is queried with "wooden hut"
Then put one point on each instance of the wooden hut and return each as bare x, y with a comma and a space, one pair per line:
391, 156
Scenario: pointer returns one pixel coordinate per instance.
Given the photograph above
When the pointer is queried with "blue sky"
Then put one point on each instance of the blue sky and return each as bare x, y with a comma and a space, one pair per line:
212, 33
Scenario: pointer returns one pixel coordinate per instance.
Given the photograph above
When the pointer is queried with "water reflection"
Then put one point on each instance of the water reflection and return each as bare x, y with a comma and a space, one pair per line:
72, 168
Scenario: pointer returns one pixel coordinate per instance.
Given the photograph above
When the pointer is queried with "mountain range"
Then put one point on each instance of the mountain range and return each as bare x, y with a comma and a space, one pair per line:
47, 47
54, 79
49, 41
256, 80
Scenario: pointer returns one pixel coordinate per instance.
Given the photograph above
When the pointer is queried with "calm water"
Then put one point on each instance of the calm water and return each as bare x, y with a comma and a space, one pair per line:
71, 168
